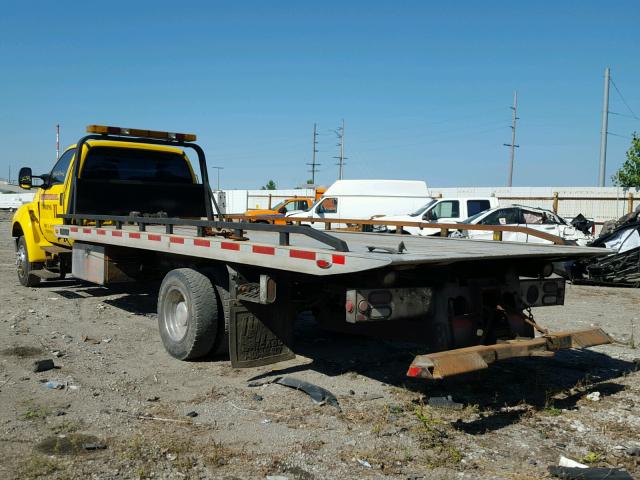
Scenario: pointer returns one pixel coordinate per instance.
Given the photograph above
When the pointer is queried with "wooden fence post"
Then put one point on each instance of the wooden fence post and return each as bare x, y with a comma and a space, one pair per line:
555, 202
630, 202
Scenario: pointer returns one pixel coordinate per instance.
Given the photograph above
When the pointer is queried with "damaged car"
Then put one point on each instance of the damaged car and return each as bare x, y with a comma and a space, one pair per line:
622, 267
522, 216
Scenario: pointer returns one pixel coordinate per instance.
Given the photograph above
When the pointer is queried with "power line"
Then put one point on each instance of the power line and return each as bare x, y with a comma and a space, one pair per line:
618, 135
623, 115
623, 100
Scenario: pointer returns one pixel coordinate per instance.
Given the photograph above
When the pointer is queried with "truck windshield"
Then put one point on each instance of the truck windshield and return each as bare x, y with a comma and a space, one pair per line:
113, 163
422, 209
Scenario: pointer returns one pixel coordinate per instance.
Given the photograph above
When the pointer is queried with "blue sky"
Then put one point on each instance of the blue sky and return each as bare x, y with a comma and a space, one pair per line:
424, 86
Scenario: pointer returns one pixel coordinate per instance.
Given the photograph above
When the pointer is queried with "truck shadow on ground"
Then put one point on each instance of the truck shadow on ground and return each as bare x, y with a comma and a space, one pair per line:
503, 393
137, 298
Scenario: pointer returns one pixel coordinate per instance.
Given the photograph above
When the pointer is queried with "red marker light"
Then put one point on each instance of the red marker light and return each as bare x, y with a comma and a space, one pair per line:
413, 372
349, 306
323, 263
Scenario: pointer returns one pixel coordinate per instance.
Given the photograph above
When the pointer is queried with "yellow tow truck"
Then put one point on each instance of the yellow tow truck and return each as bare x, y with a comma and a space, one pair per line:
40, 253
125, 205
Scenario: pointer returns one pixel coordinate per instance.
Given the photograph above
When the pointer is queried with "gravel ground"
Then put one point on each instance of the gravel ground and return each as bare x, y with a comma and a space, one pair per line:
123, 411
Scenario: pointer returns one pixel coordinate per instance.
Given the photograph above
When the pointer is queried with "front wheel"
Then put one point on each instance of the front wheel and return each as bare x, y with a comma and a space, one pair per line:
23, 266
188, 315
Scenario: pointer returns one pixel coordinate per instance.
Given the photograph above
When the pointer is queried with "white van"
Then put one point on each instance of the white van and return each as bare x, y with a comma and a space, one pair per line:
363, 199
441, 210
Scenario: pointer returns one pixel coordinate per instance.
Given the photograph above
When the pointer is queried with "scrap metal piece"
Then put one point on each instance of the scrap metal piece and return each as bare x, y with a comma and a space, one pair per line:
577, 473
440, 365
401, 248
319, 395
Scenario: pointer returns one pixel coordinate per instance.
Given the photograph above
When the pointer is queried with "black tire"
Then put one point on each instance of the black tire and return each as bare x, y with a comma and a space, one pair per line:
221, 281
188, 315
23, 266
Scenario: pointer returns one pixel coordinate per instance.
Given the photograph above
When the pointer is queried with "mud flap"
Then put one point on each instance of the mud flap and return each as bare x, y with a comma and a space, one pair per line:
259, 334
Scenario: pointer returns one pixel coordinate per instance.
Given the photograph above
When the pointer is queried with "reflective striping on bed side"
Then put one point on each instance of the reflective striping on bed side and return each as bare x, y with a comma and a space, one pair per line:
230, 246
263, 250
280, 256
199, 242
303, 254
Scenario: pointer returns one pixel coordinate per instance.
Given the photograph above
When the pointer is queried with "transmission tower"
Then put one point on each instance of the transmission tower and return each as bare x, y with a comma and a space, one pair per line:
513, 145
341, 158
314, 166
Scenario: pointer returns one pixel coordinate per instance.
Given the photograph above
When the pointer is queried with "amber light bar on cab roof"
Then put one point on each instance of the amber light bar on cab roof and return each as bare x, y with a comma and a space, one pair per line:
137, 132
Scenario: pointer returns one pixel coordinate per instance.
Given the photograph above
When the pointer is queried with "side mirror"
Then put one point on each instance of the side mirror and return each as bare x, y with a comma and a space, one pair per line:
282, 210
25, 178
428, 216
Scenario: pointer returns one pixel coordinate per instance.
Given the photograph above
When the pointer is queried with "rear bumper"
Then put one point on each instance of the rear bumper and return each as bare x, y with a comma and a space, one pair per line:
440, 365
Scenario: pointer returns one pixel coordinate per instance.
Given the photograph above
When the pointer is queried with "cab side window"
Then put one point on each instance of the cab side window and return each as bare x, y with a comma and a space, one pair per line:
450, 208
59, 172
328, 205
477, 206
504, 216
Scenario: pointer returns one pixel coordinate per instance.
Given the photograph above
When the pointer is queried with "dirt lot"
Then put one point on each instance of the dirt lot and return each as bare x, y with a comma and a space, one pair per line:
122, 413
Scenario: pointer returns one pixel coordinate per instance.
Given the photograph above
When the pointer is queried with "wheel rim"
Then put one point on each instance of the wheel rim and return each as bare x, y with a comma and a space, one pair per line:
21, 261
176, 314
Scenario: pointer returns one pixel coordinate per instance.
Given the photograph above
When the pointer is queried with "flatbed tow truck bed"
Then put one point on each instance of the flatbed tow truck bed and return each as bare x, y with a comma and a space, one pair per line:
366, 251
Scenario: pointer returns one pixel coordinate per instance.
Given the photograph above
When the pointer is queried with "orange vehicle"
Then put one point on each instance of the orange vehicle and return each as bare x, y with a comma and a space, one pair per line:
276, 213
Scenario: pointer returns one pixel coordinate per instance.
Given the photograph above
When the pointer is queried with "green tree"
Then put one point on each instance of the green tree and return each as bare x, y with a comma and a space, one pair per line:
629, 173
271, 185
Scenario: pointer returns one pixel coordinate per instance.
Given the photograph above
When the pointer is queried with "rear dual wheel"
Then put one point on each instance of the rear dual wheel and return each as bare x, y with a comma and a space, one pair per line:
191, 314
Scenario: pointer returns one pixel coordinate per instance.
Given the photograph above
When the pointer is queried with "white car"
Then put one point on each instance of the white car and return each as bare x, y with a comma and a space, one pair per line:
517, 215
440, 210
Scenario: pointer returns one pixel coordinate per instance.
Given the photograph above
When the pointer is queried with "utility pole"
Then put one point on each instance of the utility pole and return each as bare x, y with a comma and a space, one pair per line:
603, 131
513, 145
57, 142
340, 133
218, 169
314, 166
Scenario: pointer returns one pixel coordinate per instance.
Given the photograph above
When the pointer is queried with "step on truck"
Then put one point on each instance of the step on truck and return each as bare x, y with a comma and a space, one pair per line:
127, 205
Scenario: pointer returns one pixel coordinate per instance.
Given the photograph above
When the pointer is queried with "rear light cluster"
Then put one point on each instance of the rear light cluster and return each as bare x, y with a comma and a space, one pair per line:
541, 293
386, 304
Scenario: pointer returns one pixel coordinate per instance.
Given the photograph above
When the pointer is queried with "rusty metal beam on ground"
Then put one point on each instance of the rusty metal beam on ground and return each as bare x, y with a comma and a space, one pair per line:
440, 365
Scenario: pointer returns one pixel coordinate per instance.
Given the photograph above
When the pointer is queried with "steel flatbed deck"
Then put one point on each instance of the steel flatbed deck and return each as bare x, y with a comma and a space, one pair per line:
304, 254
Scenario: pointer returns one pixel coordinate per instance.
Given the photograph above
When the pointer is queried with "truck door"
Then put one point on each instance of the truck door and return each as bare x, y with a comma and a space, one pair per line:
53, 196
445, 211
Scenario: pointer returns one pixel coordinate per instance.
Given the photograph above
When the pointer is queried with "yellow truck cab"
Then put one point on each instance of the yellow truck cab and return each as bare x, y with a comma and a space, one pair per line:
126, 168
